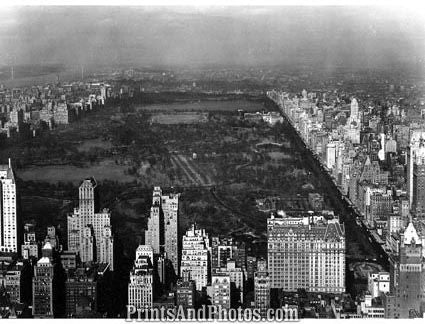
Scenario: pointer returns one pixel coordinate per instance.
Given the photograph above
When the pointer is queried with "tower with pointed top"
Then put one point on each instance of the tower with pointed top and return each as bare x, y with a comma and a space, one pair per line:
407, 298
8, 209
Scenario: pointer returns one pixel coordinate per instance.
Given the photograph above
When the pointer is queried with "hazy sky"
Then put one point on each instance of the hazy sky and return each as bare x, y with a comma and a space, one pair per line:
328, 36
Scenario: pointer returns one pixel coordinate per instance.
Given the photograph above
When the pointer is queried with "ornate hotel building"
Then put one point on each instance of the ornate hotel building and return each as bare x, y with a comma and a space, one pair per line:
306, 252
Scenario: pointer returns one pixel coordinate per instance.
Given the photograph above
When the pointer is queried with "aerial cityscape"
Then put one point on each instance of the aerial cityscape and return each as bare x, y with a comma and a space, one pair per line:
182, 163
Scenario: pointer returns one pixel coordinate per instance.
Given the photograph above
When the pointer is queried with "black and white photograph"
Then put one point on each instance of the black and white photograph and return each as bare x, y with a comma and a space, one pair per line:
209, 161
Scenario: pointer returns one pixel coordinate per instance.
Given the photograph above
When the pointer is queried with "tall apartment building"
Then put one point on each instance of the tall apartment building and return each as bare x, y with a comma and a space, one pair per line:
416, 171
304, 253
237, 278
8, 217
331, 154
163, 224
89, 232
419, 188
222, 249
42, 285
10, 280
185, 293
354, 109
251, 266
225, 248
220, 291
195, 260
106, 253
379, 204
262, 288
140, 288
406, 298
170, 208
87, 245
155, 222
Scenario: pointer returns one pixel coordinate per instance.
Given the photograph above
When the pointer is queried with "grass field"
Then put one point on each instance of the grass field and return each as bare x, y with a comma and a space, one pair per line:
105, 170
179, 118
205, 106
87, 145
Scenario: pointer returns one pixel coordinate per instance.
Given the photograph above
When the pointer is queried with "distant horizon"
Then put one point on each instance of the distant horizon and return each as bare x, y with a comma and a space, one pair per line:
329, 36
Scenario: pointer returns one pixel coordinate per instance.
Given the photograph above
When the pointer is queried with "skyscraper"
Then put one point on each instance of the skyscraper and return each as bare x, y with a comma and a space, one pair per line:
354, 109
237, 278
42, 285
8, 217
153, 232
106, 253
84, 217
306, 253
419, 187
140, 288
87, 245
220, 286
170, 208
163, 224
222, 249
195, 261
415, 171
262, 288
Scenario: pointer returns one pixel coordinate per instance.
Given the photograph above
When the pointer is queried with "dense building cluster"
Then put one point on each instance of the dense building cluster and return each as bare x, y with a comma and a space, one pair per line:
44, 273
304, 252
376, 159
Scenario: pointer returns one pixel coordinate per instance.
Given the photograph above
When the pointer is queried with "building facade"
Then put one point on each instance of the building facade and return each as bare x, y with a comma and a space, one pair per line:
140, 288
186, 293
9, 216
220, 291
406, 297
310, 257
262, 288
81, 292
89, 232
195, 261
42, 285
163, 224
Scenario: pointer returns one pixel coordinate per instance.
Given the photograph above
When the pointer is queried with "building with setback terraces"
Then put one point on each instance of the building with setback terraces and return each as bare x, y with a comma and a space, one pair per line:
140, 288
163, 225
89, 232
195, 262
